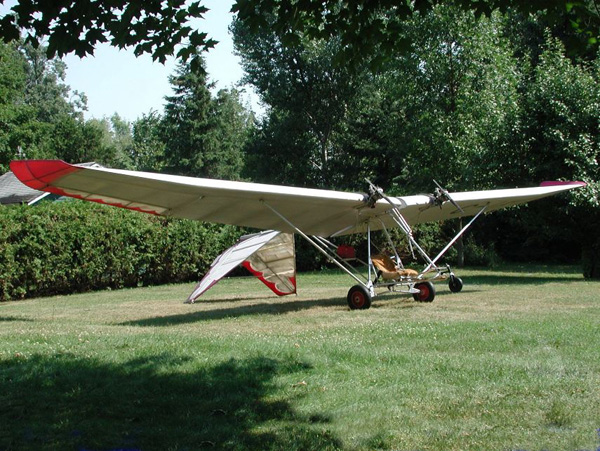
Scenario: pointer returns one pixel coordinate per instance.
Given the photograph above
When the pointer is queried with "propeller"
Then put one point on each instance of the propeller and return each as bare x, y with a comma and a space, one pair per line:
375, 192
440, 195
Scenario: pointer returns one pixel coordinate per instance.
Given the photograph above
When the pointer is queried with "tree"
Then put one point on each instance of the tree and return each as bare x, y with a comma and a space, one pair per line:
12, 108
76, 141
370, 28
45, 87
34, 105
375, 140
12, 74
464, 99
185, 124
203, 136
440, 111
278, 151
158, 28
121, 141
561, 128
148, 149
153, 26
41, 118
308, 97
231, 125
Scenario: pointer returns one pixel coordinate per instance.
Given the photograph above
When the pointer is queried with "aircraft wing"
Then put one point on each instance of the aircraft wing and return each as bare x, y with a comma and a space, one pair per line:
418, 209
315, 212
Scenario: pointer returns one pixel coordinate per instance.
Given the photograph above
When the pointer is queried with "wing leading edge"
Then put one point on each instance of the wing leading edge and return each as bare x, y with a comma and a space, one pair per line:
315, 212
318, 212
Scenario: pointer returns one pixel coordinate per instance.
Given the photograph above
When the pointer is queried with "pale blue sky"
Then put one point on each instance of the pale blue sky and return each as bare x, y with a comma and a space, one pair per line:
117, 82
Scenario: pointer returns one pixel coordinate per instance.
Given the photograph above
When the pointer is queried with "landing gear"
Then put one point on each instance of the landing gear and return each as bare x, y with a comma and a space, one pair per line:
455, 284
426, 292
359, 298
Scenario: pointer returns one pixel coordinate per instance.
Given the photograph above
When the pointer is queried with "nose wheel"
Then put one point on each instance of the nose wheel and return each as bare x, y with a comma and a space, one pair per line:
455, 284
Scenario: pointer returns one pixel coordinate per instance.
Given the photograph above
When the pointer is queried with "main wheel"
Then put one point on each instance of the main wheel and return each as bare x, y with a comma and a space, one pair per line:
455, 284
359, 298
426, 292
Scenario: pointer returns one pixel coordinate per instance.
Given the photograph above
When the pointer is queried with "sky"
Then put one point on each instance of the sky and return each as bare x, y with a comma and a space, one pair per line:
115, 81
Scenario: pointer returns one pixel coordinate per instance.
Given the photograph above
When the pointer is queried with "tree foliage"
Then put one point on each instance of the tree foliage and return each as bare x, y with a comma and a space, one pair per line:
461, 101
151, 26
187, 121
39, 115
45, 86
371, 28
203, 136
308, 98
148, 149
474, 102
163, 28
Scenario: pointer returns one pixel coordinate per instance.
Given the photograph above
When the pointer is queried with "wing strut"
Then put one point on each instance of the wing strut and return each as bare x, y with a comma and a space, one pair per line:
377, 193
453, 240
330, 256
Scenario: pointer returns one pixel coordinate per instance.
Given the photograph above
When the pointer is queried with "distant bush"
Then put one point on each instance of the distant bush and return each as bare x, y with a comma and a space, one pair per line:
591, 259
72, 246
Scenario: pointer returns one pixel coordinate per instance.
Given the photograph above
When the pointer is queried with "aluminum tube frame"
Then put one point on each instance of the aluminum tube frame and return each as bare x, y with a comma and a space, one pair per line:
453, 240
329, 255
392, 245
326, 244
399, 219
395, 214
369, 261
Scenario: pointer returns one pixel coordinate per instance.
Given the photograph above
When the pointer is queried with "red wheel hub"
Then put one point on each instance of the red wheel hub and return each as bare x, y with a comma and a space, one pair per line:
423, 292
358, 299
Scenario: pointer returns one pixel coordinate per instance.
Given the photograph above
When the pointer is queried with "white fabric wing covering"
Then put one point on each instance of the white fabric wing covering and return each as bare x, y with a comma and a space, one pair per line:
272, 255
317, 212
275, 264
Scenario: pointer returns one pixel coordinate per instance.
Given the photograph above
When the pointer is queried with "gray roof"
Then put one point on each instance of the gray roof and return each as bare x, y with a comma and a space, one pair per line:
12, 191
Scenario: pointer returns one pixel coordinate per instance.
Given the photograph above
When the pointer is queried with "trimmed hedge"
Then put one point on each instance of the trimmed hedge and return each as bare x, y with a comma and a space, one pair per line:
72, 246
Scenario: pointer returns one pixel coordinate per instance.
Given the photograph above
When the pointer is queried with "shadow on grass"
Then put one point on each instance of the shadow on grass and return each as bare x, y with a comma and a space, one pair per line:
64, 402
6, 319
263, 308
292, 305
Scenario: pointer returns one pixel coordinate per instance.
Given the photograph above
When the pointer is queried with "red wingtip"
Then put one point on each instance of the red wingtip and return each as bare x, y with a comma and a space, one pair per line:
559, 183
39, 174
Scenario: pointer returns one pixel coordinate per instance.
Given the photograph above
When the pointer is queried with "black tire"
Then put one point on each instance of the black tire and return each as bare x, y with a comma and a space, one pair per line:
359, 298
455, 284
426, 292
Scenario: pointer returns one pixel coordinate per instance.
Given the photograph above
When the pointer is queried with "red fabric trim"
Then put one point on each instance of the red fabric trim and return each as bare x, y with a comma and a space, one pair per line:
38, 174
558, 183
246, 264
60, 192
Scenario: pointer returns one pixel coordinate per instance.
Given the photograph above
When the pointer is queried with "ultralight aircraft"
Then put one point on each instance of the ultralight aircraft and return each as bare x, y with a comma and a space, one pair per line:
314, 214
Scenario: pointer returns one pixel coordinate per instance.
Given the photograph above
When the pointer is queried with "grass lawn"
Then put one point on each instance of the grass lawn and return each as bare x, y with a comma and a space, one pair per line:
512, 362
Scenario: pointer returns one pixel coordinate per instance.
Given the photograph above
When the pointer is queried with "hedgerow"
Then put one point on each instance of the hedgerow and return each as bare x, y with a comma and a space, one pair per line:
72, 246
